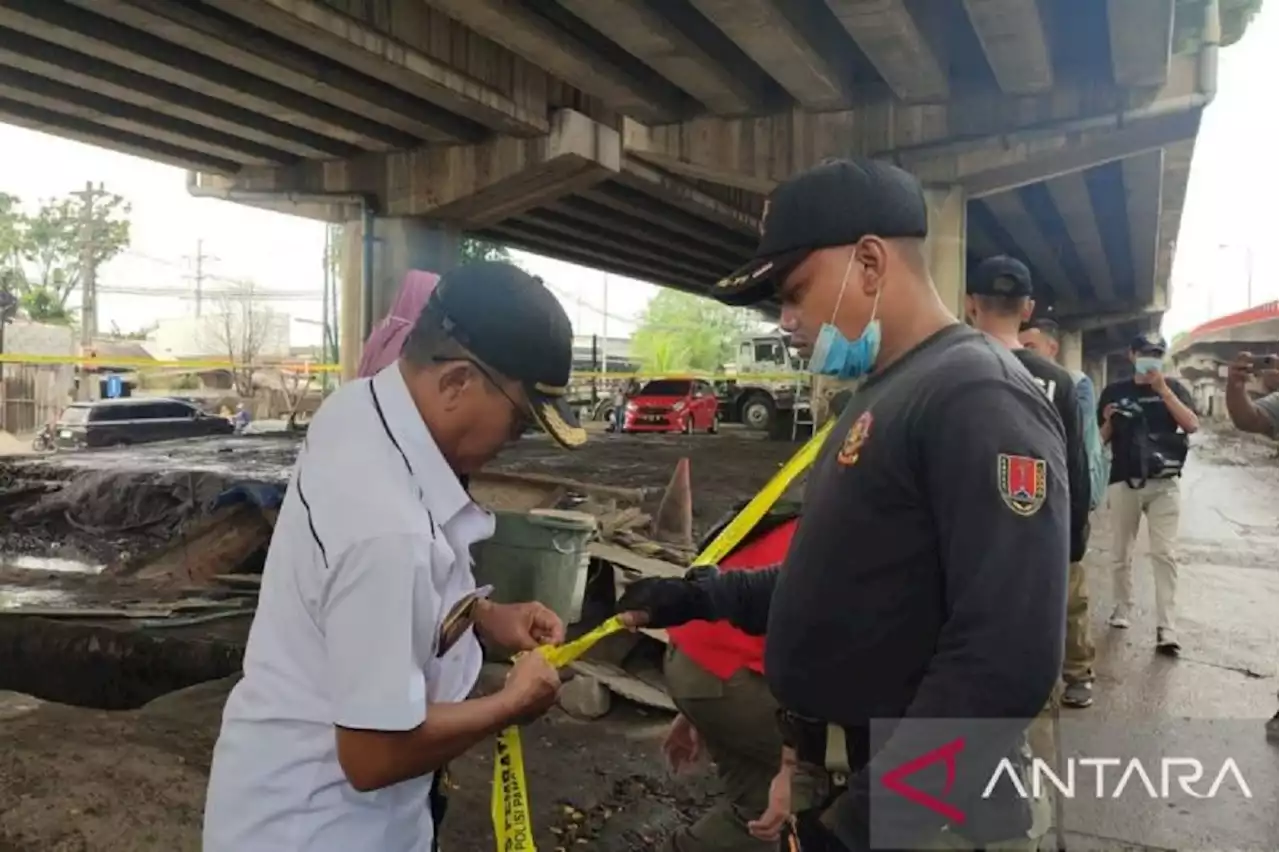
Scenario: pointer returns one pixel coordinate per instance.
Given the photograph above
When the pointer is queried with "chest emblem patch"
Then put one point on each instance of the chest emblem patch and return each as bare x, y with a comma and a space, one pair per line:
1023, 483
859, 432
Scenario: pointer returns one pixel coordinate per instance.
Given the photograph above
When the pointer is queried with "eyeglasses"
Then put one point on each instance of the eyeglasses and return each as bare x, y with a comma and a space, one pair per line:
522, 417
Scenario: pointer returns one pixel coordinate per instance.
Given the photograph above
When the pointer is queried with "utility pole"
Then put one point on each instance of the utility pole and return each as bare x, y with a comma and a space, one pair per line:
604, 312
88, 280
198, 260
88, 264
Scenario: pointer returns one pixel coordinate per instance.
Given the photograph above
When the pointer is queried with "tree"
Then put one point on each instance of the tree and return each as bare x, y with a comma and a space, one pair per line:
41, 256
241, 328
12, 226
472, 250
679, 331
52, 243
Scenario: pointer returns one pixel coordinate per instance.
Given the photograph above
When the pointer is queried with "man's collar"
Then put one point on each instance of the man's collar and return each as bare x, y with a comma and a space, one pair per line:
441, 488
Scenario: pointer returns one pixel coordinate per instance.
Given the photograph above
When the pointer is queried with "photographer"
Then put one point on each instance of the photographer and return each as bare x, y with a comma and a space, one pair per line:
1258, 417
1146, 420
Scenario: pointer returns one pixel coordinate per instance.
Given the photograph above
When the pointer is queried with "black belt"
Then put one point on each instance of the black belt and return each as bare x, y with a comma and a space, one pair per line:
439, 802
837, 749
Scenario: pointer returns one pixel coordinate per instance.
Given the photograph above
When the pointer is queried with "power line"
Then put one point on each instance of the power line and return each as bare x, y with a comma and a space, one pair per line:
199, 259
176, 292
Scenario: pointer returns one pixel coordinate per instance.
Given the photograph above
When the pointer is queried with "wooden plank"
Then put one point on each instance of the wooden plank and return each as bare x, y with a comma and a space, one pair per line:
87, 612
243, 581
630, 495
625, 559
627, 685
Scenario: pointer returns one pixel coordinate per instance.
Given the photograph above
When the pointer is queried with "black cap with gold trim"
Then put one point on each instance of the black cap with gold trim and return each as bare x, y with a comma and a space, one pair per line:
514, 324
836, 203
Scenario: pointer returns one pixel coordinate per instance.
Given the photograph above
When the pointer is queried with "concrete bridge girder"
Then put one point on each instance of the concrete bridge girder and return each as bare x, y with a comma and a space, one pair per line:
641, 135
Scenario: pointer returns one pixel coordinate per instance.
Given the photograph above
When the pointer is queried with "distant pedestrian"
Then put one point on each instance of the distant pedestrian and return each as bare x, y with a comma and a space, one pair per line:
998, 302
1045, 337
1146, 421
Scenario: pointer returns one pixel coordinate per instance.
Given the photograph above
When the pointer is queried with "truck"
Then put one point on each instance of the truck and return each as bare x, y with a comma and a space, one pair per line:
769, 387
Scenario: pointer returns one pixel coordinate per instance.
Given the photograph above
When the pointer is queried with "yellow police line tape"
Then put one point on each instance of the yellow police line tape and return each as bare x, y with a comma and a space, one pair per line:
509, 804
152, 363
316, 367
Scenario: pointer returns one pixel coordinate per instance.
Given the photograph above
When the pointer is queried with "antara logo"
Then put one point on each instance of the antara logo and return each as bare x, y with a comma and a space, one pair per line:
1186, 771
1112, 777
946, 755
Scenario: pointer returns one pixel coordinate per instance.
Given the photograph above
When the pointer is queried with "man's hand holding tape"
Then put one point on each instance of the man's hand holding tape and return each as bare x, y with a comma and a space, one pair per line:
703, 594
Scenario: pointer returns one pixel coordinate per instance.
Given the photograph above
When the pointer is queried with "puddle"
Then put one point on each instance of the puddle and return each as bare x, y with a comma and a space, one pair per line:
51, 563
18, 597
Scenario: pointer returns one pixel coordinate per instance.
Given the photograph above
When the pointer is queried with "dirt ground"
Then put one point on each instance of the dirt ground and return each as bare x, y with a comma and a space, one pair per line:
93, 781
73, 778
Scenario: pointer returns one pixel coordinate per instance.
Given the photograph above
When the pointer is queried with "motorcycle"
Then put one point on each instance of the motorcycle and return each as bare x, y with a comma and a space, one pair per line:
44, 440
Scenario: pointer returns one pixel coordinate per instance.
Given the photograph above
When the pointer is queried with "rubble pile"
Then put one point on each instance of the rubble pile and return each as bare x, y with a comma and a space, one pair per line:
110, 516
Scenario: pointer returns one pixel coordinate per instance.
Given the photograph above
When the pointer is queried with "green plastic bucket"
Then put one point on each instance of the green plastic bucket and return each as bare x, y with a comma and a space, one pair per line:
540, 555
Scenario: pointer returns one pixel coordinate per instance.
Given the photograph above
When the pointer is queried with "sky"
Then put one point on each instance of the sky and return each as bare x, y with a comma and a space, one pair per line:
1229, 224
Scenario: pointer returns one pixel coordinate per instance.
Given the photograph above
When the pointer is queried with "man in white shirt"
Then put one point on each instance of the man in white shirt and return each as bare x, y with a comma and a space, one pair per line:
361, 656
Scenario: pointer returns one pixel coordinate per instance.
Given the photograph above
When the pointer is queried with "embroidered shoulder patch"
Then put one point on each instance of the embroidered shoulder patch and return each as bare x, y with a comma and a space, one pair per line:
1023, 482
859, 432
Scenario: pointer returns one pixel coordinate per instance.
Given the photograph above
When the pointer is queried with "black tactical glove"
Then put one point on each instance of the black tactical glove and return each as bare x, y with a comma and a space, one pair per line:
671, 601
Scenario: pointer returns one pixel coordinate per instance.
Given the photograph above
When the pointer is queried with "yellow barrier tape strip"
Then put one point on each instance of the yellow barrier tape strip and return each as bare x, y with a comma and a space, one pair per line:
509, 804
193, 364
746, 520
317, 367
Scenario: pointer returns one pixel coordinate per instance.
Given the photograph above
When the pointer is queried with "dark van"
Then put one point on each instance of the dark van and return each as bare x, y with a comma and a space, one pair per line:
117, 422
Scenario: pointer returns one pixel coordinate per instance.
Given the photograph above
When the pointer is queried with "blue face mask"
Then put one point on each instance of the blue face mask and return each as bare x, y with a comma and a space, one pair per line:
1146, 364
836, 355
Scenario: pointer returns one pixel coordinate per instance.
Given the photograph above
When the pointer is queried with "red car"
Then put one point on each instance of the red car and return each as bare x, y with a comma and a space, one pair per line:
673, 405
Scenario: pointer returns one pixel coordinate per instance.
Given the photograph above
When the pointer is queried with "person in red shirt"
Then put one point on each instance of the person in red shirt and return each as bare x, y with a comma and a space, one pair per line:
714, 673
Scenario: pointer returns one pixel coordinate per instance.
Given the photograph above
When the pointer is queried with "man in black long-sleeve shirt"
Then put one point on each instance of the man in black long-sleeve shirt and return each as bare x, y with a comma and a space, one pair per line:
925, 588
999, 301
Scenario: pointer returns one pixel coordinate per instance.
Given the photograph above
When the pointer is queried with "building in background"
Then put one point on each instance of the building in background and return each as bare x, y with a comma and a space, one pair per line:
31, 394
592, 352
248, 333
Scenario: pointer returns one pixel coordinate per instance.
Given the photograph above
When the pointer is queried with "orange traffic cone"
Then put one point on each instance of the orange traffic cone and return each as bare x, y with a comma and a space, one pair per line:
673, 522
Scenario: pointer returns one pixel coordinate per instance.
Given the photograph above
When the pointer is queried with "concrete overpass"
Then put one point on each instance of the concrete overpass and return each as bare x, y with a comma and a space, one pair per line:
640, 136
1199, 356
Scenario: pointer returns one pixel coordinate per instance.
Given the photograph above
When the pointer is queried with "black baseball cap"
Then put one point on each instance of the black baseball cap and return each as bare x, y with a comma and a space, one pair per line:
1150, 341
1048, 326
836, 203
1000, 276
509, 320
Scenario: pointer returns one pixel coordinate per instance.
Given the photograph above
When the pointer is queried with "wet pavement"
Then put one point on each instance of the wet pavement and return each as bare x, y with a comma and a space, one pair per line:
1228, 613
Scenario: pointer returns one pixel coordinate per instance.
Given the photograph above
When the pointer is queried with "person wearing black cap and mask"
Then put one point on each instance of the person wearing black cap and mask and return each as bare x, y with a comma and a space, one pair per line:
1146, 421
921, 602
998, 303
362, 656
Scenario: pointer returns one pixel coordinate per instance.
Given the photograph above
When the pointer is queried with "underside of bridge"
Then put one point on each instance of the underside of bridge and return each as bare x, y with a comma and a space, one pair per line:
641, 136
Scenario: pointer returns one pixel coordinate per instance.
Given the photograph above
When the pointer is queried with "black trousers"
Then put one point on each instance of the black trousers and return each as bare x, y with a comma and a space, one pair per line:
439, 802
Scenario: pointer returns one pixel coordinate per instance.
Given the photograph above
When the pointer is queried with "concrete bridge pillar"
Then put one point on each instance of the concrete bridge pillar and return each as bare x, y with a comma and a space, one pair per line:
399, 244
945, 245
1071, 350
1096, 370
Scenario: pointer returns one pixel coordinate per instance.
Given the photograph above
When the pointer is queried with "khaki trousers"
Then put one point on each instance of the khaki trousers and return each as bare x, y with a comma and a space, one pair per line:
1160, 501
1077, 661
736, 720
